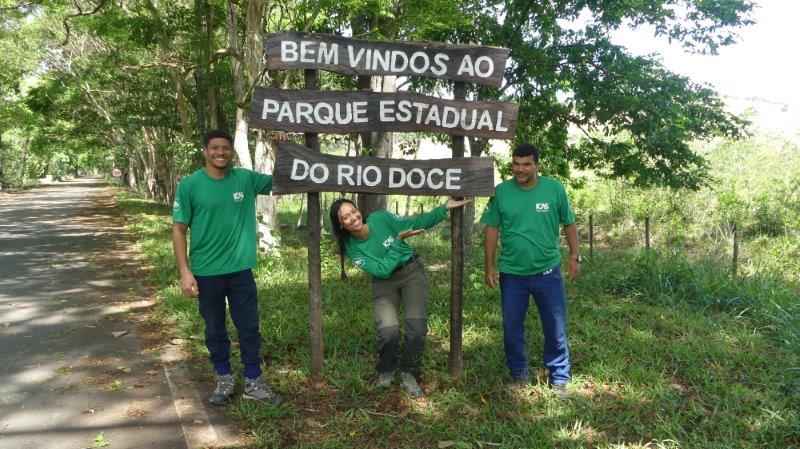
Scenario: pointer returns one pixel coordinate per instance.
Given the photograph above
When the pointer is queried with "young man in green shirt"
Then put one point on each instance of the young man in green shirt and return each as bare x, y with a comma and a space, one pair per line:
526, 212
217, 203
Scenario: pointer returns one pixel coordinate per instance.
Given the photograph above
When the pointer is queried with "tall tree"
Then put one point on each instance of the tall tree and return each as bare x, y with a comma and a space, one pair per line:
636, 117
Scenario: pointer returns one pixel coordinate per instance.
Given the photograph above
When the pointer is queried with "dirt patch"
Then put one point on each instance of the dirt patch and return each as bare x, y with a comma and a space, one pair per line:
134, 411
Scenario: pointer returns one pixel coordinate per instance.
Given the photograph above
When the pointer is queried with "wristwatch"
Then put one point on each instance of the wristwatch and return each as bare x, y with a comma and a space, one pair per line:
579, 258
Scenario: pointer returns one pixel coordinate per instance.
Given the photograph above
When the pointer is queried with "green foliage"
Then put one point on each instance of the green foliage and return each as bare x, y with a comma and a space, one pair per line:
753, 183
116, 75
100, 440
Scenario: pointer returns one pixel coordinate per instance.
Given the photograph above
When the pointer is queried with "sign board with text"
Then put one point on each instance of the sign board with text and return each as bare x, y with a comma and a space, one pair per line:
299, 169
361, 111
470, 63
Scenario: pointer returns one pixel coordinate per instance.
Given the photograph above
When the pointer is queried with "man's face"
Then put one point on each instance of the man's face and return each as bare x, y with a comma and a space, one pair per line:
350, 217
218, 152
524, 168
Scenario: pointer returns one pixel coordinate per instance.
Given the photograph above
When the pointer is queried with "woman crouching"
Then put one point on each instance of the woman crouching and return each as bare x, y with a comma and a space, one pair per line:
378, 246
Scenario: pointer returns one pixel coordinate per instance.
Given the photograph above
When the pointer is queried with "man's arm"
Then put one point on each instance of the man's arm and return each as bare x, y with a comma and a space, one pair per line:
573, 266
188, 282
489, 249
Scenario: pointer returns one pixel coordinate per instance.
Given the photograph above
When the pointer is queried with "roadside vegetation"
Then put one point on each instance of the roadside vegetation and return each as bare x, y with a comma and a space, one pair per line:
669, 349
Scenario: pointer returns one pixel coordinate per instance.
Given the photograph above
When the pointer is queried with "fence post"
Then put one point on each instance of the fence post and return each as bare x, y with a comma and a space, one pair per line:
735, 263
591, 236
647, 232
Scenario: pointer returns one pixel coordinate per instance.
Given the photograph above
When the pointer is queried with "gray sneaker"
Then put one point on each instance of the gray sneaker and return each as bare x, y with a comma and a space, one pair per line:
410, 384
560, 390
222, 394
385, 380
258, 390
517, 384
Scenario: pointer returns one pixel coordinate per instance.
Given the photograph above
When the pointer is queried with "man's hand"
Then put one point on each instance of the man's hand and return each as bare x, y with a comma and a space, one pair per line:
402, 235
574, 268
492, 277
189, 286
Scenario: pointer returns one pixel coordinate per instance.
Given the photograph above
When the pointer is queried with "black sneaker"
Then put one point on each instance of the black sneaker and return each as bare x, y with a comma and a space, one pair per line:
222, 394
257, 389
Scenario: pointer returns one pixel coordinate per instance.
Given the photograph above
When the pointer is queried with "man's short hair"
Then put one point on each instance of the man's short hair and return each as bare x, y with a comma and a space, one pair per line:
217, 133
527, 149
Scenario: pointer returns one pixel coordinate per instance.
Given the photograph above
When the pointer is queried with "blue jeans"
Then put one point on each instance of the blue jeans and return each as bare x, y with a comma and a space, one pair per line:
240, 289
548, 292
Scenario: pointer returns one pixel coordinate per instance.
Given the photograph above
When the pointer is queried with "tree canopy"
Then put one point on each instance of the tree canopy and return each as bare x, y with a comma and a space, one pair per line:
134, 83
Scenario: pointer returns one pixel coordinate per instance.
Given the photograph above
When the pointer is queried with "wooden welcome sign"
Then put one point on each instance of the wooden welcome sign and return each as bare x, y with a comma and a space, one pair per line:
305, 169
298, 169
471, 63
358, 111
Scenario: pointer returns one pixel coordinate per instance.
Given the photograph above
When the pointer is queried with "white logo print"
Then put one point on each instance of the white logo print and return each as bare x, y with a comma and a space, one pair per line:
542, 207
238, 196
176, 206
359, 262
388, 242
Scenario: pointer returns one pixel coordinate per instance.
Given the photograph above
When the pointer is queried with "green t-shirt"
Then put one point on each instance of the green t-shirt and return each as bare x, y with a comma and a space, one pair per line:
221, 214
381, 252
528, 221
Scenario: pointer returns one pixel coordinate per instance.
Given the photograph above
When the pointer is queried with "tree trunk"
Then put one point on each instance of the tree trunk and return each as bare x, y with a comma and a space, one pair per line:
477, 147
240, 143
132, 178
2, 172
174, 73
201, 74
255, 62
23, 173
267, 204
159, 177
378, 144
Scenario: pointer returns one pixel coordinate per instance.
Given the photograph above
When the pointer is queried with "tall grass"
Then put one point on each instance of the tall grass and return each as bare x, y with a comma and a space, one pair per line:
667, 351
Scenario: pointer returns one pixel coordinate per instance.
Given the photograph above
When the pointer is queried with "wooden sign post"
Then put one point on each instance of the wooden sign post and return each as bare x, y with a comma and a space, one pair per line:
457, 254
317, 350
310, 111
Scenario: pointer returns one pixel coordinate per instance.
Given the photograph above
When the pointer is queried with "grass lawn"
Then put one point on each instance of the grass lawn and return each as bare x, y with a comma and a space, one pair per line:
663, 355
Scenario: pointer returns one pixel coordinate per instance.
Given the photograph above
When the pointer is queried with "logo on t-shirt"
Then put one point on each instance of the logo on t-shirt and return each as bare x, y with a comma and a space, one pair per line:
238, 196
359, 262
388, 242
176, 206
542, 207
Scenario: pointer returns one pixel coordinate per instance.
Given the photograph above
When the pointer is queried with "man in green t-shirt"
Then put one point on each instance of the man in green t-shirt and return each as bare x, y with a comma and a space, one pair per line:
526, 212
217, 203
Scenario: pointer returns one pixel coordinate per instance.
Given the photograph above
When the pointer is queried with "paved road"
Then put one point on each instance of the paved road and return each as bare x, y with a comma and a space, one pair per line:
68, 281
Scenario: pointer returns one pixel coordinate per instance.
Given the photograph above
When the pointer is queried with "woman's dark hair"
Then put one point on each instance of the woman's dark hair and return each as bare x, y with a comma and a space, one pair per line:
339, 232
